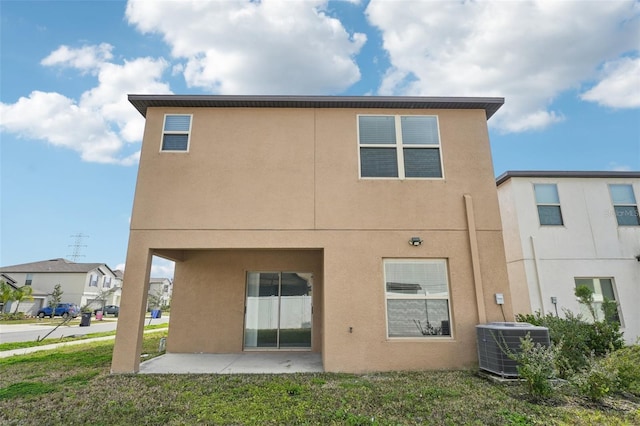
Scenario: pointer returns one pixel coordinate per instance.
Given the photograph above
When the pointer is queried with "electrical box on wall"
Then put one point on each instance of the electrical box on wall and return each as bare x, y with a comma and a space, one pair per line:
499, 298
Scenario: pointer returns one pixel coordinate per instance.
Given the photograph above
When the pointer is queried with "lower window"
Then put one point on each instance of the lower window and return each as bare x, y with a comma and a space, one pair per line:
417, 297
602, 289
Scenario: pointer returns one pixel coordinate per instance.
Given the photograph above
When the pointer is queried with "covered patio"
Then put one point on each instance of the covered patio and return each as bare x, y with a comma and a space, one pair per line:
240, 363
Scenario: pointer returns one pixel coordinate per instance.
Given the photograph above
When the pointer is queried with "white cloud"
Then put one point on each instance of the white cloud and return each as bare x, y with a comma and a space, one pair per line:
619, 167
529, 52
620, 86
102, 121
160, 268
266, 47
85, 58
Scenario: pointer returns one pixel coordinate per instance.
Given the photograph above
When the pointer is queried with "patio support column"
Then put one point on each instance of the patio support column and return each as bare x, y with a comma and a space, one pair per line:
128, 344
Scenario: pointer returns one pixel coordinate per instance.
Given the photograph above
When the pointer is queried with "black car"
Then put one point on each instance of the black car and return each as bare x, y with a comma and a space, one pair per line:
109, 310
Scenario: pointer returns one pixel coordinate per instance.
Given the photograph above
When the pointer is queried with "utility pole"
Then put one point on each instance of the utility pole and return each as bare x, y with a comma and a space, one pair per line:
77, 246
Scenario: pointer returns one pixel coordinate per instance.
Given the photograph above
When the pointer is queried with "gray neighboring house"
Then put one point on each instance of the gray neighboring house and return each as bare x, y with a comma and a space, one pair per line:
160, 291
11, 283
86, 284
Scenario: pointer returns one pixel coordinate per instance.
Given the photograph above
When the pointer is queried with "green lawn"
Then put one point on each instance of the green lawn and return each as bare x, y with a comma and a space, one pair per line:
72, 385
49, 341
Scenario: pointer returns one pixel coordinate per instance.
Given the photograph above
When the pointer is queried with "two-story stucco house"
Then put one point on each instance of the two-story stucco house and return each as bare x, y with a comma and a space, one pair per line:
85, 284
565, 229
160, 290
365, 229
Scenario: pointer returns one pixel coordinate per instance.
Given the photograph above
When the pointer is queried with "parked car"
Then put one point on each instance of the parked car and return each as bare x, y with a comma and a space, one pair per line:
109, 309
63, 310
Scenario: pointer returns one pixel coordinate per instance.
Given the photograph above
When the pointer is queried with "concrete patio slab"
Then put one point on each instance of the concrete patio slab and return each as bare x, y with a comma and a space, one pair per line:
244, 363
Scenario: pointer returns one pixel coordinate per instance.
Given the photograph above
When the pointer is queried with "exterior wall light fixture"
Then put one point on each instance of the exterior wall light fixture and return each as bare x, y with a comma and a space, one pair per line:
415, 241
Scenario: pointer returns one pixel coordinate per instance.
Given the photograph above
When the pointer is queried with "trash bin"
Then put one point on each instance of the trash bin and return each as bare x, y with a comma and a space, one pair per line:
85, 320
156, 313
98, 315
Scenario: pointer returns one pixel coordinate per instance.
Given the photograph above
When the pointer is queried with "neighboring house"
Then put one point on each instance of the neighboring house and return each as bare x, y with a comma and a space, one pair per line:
365, 229
117, 282
160, 289
13, 285
85, 284
564, 229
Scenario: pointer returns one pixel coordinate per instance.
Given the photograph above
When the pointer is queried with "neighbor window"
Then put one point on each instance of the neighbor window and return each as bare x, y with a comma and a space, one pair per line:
399, 146
602, 288
176, 131
29, 279
417, 297
93, 281
624, 205
106, 283
548, 203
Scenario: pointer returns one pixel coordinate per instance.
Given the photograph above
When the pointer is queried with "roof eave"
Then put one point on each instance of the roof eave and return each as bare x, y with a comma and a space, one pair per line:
565, 174
142, 102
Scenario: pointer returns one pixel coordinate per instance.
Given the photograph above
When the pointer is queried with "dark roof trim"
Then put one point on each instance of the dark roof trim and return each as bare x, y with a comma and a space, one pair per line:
142, 102
563, 174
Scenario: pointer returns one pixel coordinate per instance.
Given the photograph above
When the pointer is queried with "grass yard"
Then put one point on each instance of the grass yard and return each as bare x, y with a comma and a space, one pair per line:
73, 386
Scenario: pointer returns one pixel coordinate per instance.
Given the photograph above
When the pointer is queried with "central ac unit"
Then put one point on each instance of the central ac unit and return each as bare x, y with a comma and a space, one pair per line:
497, 339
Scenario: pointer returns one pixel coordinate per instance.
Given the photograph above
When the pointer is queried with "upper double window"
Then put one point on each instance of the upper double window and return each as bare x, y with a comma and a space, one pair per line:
175, 132
548, 203
624, 205
399, 146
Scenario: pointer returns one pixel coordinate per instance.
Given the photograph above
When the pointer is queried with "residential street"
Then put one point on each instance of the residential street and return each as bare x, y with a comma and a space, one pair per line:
28, 332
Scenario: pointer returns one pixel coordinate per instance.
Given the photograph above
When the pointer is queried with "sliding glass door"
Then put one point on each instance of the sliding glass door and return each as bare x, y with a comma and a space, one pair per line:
278, 310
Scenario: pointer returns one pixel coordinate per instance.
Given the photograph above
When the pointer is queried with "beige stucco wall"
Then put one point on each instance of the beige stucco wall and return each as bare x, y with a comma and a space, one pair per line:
274, 189
208, 303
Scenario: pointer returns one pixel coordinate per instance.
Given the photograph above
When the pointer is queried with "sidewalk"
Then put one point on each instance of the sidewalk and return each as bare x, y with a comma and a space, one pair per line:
24, 351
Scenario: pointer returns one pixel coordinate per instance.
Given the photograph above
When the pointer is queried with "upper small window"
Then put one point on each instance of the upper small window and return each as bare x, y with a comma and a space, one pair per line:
397, 146
29, 279
624, 205
548, 203
176, 131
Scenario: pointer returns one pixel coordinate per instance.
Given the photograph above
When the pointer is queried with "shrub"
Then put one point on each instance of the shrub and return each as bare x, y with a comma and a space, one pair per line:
627, 363
596, 380
577, 339
536, 365
12, 316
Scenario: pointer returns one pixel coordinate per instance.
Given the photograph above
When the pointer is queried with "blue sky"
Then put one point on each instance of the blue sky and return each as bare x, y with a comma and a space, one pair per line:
569, 72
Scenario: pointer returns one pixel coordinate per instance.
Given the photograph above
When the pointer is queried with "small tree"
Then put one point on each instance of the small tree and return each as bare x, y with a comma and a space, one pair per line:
585, 297
6, 294
55, 297
155, 299
23, 293
98, 302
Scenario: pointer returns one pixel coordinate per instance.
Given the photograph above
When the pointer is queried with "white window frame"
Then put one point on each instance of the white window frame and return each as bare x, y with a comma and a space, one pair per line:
28, 280
176, 132
598, 297
558, 204
93, 278
106, 281
388, 297
614, 204
399, 147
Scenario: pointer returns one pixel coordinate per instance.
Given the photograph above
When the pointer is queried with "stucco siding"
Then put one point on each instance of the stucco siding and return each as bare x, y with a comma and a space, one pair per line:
278, 189
589, 244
